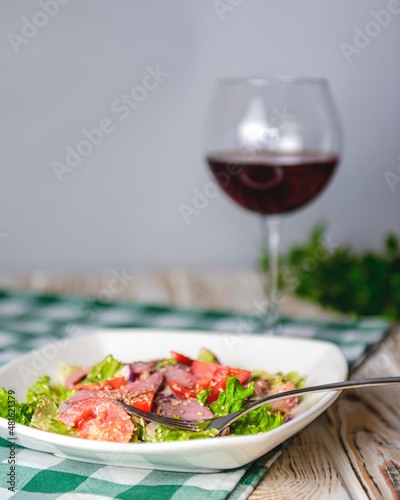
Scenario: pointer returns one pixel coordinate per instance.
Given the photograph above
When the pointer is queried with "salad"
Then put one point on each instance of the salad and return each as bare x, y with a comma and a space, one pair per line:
178, 386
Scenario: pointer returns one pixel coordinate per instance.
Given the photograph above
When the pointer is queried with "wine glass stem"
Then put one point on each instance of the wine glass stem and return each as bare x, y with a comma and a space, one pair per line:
272, 231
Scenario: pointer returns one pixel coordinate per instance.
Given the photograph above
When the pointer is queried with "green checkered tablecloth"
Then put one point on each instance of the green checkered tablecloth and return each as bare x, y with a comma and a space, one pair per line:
30, 320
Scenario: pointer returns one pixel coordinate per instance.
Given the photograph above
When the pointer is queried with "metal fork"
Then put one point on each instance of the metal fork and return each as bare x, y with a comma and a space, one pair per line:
222, 422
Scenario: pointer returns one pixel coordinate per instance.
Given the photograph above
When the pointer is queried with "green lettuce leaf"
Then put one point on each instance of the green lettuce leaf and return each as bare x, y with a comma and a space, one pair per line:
259, 375
260, 420
11, 409
289, 377
3, 403
166, 362
67, 370
296, 379
202, 396
163, 434
279, 378
138, 434
207, 356
104, 370
45, 418
42, 387
231, 399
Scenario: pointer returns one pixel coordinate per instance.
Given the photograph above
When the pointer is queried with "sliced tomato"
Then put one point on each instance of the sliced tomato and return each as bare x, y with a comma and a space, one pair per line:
181, 358
114, 383
202, 385
202, 370
143, 401
217, 385
182, 392
242, 375
99, 419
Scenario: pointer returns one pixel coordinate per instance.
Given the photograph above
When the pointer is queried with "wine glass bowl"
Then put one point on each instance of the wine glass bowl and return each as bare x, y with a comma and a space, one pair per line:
273, 145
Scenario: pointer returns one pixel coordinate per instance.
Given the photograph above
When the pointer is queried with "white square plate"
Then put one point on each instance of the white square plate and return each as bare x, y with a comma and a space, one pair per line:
321, 362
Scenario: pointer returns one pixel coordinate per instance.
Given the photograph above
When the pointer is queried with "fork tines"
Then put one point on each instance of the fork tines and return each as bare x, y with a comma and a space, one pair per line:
176, 423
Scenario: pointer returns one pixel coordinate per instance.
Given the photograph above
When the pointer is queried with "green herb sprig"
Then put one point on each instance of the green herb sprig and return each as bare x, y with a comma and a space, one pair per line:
363, 284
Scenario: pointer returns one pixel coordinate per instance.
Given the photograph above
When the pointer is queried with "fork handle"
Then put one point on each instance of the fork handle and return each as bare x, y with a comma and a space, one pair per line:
334, 386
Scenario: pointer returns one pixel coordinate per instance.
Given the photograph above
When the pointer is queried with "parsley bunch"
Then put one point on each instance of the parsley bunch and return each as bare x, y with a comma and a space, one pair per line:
364, 284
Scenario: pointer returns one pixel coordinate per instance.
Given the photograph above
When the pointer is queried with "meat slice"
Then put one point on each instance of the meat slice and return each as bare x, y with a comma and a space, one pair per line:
85, 394
261, 388
151, 383
77, 397
285, 406
182, 376
140, 367
76, 377
186, 409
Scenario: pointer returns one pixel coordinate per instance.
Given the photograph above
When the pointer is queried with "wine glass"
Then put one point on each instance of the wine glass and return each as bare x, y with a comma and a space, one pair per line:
272, 145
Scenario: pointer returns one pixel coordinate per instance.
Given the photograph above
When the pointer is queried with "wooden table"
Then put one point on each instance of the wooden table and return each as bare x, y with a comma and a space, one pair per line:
352, 451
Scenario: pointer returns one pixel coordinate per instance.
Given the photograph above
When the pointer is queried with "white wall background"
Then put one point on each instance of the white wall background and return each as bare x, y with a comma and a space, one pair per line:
120, 206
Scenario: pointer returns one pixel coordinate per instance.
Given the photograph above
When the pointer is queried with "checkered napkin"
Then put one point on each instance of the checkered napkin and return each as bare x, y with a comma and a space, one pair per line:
30, 320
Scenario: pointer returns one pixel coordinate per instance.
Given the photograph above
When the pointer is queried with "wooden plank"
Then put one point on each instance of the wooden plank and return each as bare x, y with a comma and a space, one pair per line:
366, 424
305, 470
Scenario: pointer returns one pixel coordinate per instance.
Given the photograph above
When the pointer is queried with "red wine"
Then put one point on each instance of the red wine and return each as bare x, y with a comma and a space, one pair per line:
272, 183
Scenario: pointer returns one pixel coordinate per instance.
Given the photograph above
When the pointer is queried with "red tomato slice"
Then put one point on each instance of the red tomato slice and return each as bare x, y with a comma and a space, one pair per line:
114, 383
242, 376
143, 401
202, 385
99, 419
202, 370
182, 392
180, 358
217, 385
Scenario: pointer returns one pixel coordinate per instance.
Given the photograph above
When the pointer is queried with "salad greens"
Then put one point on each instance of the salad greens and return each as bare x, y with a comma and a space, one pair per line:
232, 399
45, 418
279, 378
21, 413
41, 408
67, 370
256, 421
164, 434
104, 370
42, 387
207, 356
139, 432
